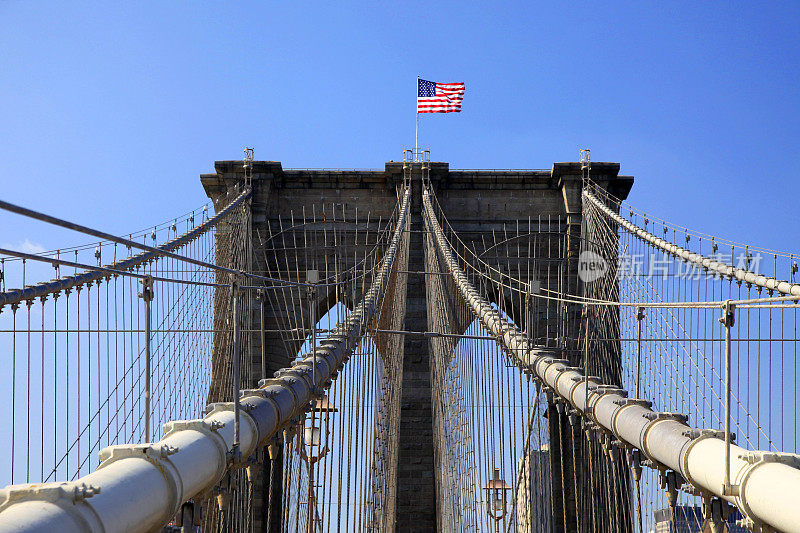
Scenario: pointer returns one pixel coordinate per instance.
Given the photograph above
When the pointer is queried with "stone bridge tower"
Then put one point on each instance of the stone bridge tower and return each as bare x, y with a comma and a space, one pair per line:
476, 202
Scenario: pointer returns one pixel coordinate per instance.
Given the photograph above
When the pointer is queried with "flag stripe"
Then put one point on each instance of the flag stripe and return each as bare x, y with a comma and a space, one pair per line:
435, 97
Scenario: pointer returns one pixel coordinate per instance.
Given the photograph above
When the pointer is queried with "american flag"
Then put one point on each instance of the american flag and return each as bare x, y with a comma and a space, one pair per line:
435, 97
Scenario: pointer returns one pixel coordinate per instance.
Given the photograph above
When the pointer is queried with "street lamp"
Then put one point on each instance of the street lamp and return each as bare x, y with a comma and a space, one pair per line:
496, 490
313, 437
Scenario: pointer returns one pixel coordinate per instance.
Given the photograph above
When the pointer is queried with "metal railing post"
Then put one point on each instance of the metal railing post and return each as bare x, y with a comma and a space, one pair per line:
312, 277
261, 297
533, 288
147, 295
639, 317
728, 320
236, 369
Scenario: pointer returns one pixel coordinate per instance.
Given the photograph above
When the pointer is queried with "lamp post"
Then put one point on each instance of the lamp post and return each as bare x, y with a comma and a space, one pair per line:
312, 446
496, 490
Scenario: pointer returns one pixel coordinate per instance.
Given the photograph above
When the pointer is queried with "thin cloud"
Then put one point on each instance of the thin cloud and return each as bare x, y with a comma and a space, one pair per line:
27, 246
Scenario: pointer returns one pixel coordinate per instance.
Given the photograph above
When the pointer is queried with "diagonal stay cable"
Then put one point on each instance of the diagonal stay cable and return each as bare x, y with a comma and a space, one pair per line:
30, 213
192, 456
107, 270
161, 250
708, 263
42, 289
666, 439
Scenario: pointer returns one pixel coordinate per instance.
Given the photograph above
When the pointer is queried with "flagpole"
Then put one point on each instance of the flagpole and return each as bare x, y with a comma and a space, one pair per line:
416, 136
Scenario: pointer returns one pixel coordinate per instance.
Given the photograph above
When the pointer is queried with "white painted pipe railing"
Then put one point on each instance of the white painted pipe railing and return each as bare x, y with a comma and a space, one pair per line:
767, 485
140, 487
739, 274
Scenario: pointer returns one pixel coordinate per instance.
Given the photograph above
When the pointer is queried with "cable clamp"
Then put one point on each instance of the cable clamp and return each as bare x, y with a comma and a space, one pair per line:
621, 444
707, 433
655, 465
756, 459
218, 406
755, 525
753, 458
234, 458
728, 318
690, 489
247, 393
72, 491
157, 455
152, 452
147, 293
608, 389
647, 404
678, 417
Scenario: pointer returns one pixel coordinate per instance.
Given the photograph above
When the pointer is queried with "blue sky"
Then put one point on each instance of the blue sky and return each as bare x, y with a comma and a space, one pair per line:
111, 111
